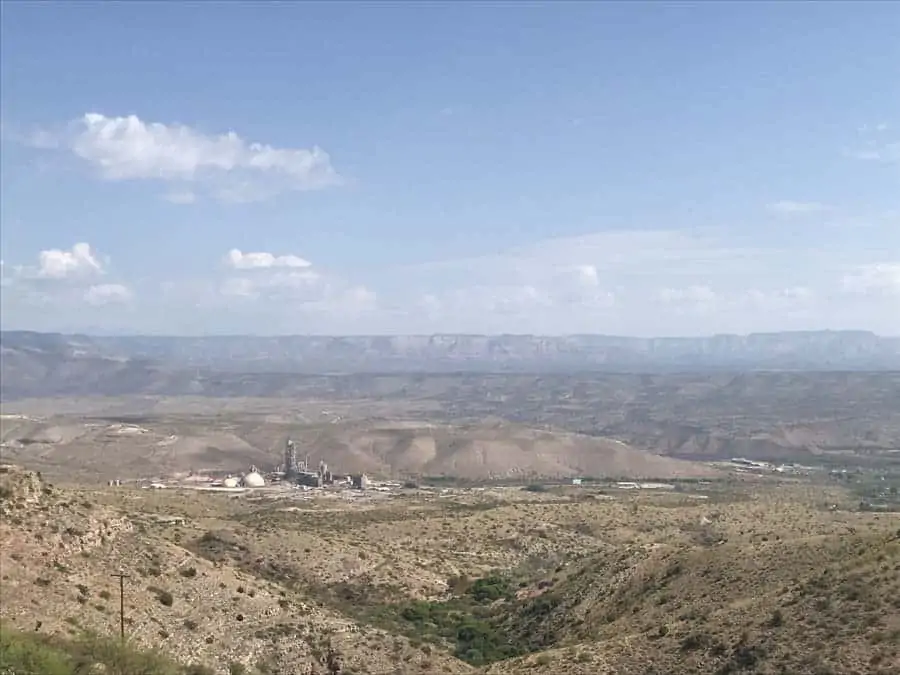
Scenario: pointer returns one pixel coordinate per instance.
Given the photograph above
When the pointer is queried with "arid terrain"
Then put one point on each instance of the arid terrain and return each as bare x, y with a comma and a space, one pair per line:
509, 522
476, 551
740, 574
99, 448
487, 406
474, 425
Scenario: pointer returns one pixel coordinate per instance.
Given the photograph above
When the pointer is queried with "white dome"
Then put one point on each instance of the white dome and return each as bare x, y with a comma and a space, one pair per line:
230, 482
253, 479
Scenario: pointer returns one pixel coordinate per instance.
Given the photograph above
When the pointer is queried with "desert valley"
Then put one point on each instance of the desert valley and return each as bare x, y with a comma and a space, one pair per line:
708, 521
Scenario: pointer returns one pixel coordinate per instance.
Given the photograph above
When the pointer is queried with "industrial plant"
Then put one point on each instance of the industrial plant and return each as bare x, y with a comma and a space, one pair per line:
298, 472
293, 472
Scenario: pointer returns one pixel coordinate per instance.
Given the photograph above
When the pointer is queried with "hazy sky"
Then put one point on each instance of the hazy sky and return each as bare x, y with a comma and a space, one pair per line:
644, 169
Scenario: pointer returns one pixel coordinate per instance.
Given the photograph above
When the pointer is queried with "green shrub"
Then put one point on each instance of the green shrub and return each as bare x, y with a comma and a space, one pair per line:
490, 589
165, 598
28, 655
35, 654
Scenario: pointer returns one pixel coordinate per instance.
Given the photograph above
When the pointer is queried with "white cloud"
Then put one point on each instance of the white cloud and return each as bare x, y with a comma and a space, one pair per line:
782, 298
703, 300
54, 263
264, 275
62, 280
662, 282
230, 168
579, 285
790, 208
587, 275
628, 283
296, 283
285, 293
262, 260
105, 294
874, 279
503, 295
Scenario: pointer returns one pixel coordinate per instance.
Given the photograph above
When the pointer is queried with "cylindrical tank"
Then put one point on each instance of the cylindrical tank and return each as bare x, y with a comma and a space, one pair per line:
254, 480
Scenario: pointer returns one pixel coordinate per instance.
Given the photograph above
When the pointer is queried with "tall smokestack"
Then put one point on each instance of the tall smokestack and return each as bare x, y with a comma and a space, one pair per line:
290, 460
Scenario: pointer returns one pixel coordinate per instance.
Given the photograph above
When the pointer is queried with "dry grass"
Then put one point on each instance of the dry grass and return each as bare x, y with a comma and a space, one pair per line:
756, 577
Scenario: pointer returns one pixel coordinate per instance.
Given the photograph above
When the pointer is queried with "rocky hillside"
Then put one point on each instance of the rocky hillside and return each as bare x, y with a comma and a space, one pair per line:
804, 605
58, 551
747, 576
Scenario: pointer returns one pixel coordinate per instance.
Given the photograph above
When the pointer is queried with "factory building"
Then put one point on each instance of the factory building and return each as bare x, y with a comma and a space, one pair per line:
299, 473
308, 479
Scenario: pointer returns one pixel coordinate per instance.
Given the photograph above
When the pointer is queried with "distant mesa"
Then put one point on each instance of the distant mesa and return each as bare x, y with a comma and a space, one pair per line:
52, 364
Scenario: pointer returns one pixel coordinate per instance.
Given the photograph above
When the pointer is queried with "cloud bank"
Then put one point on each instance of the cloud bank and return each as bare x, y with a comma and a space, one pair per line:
62, 279
223, 166
630, 283
805, 267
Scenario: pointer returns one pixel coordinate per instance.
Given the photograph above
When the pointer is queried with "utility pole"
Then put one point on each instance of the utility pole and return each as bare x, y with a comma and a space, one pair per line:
121, 576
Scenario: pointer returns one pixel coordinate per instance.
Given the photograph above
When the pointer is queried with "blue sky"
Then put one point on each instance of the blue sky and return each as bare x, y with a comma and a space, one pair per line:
646, 169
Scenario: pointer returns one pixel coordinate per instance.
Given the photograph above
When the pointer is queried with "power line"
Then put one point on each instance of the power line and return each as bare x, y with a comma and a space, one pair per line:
121, 576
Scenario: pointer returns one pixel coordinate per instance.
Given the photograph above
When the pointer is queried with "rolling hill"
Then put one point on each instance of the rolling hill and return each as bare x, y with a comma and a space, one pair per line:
167, 445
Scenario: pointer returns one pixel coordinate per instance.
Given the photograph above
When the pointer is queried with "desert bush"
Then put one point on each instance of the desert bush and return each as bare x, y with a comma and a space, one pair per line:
197, 669
468, 621
28, 655
34, 654
490, 588
165, 597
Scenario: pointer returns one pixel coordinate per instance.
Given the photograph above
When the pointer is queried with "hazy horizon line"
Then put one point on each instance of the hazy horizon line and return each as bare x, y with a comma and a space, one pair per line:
445, 334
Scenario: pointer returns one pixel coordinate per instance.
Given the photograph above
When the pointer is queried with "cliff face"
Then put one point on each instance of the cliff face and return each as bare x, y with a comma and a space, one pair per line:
43, 364
832, 350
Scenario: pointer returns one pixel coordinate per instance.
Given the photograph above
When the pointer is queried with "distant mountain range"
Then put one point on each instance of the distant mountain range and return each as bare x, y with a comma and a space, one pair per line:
52, 363
301, 353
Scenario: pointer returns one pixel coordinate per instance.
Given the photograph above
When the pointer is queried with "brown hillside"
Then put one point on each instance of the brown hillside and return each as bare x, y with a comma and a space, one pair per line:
718, 599
730, 576
98, 449
58, 552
